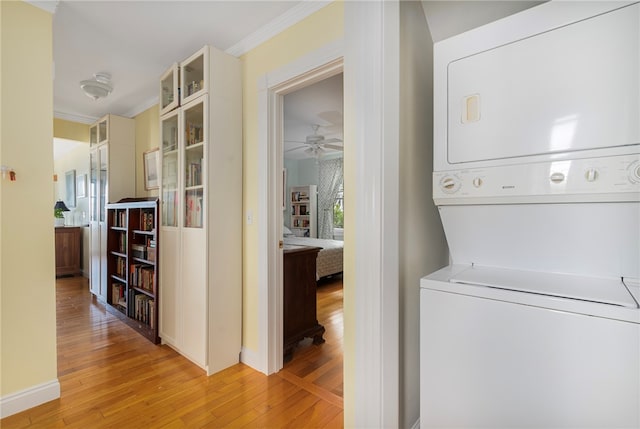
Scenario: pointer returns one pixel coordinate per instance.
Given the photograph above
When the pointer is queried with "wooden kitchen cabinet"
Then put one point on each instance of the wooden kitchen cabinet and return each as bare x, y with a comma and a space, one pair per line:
68, 250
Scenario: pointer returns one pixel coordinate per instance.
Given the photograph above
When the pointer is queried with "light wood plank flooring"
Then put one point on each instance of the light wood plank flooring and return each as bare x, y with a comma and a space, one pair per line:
111, 377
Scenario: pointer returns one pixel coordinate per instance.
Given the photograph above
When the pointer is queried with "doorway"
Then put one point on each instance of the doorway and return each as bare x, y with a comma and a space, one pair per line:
313, 213
272, 87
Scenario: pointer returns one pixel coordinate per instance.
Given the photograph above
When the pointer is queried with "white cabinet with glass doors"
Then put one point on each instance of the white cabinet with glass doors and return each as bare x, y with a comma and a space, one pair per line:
111, 178
201, 221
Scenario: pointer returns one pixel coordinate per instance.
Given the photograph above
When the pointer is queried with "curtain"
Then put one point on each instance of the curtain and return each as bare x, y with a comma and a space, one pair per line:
330, 178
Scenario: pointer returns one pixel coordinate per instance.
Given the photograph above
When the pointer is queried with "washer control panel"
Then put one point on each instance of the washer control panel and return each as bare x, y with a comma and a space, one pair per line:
593, 179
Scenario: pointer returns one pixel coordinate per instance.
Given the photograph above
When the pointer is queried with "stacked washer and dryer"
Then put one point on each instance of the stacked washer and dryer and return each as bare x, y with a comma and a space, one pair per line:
536, 322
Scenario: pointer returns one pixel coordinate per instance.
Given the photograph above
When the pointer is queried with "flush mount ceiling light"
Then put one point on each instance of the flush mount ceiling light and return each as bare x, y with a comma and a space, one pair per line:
98, 87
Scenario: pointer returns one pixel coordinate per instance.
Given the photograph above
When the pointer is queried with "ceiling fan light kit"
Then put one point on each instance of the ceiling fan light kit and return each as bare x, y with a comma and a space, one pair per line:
98, 87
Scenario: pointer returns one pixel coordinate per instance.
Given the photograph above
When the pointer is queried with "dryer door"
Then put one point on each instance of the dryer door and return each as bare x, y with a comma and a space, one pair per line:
573, 88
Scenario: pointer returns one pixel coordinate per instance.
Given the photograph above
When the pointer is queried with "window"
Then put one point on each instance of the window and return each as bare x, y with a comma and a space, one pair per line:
338, 210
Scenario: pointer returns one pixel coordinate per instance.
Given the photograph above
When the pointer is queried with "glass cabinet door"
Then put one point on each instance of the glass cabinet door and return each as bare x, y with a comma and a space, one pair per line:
169, 90
93, 135
170, 130
193, 72
195, 114
93, 185
102, 131
103, 183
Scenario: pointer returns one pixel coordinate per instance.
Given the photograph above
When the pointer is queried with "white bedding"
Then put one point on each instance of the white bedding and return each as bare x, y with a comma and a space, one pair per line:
329, 259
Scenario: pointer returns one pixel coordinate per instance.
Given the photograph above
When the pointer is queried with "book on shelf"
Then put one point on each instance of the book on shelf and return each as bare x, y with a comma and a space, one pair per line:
193, 133
193, 211
122, 243
144, 309
147, 221
142, 276
121, 267
119, 219
118, 295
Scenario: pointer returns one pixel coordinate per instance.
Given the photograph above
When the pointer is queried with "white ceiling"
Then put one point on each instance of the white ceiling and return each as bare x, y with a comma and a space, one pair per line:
136, 41
317, 104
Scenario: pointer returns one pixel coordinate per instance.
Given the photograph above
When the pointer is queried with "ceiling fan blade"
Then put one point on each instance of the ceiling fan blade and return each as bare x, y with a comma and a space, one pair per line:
333, 140
332, 146
294, 141
295, 148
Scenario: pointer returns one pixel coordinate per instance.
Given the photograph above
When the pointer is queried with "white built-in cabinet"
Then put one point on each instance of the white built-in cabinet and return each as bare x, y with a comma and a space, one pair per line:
201, 209
304, 210
111, 177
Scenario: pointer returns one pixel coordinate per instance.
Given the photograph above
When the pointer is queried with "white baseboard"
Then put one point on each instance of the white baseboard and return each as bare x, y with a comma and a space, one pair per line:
416, 425
29, 398
251, 358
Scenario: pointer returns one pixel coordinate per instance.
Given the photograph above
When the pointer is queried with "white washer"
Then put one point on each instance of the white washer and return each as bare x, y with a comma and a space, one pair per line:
504, 348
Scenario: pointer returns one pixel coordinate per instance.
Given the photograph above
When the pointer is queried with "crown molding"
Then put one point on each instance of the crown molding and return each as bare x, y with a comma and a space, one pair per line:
46, 5
278, 25
74, 117
142, 107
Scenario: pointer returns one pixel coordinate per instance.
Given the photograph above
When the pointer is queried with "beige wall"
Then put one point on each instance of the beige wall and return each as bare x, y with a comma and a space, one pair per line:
28, 344
315, 31
147, 138
69, 130
422, 245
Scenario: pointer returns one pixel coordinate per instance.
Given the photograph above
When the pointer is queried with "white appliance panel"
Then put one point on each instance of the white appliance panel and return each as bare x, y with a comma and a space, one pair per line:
610, 291
569, 89
590, 239
558, 81
615, 178
487, 363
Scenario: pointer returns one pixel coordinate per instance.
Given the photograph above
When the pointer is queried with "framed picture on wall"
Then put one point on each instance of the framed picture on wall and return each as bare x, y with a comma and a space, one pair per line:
70, 188
152, 169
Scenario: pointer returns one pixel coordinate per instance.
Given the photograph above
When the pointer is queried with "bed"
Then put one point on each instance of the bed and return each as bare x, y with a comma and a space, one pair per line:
329, 259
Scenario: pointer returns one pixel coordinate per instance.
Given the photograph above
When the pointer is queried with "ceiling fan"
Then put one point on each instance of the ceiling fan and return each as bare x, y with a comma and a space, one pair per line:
316, 144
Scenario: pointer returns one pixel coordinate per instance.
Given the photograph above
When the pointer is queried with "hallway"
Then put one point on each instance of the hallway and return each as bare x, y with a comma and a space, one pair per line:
110, 376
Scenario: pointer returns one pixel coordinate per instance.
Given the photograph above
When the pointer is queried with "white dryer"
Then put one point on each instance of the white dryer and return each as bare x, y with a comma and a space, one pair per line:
536, 323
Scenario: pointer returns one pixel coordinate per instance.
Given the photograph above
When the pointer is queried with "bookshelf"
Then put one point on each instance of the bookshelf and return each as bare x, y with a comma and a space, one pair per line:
201, 212
132, 264
304, 210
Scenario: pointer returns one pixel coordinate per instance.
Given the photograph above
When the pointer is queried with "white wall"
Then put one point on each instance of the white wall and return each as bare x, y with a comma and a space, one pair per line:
422, 244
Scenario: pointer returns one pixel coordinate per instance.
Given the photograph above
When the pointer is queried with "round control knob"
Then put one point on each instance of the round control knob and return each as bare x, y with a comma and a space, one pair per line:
557, 177
449, 184
591, 175
477, 182
634, 172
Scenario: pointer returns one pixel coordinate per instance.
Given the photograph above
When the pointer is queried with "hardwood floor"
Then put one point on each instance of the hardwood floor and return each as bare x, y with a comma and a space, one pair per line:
110, 377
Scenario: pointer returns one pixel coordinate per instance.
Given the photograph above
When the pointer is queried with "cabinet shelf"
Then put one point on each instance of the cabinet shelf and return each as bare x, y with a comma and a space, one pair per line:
143, 261
120, 279
142, 232
122, 255
194, 146
144, 291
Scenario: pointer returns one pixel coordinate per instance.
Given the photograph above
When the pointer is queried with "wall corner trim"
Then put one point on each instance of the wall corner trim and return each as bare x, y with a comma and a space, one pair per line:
29, 398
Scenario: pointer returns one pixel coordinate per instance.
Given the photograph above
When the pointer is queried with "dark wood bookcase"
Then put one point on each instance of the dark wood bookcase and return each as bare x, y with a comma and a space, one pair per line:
132, 264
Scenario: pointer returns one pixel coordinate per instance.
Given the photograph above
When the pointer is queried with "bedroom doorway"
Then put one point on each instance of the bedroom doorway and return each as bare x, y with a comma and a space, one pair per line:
314, 67
313, 214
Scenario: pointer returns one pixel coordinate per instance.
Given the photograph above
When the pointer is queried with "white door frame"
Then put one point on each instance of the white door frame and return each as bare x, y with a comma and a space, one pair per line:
370, 60
311, 68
